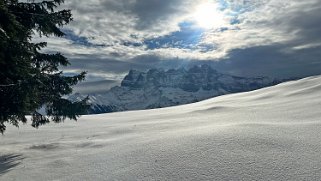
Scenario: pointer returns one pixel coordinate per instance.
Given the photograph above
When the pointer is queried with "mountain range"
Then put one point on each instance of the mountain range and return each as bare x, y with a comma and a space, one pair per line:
159, 88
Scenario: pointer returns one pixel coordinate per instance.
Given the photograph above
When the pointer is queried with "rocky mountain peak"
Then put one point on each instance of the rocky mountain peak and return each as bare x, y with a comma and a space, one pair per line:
158, 88
171, 78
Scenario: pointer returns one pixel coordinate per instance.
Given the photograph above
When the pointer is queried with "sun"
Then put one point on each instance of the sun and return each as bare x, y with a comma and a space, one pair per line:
208, 16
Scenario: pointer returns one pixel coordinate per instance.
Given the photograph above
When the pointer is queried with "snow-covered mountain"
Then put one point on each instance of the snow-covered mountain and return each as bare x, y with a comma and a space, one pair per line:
269, 134
159, 88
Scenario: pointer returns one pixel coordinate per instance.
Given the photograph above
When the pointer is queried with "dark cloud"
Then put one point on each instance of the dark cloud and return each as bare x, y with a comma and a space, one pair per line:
118, 68
95, 87
272, 61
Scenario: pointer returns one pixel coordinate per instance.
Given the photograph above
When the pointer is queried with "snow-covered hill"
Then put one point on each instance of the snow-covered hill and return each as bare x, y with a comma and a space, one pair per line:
159, 88
268, 134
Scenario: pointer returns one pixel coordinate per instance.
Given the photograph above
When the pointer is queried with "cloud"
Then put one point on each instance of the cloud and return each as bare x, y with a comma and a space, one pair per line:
119, 24
268, 37
270, 60
95, 87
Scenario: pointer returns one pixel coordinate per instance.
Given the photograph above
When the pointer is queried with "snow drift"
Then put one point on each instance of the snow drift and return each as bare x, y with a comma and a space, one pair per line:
268, 134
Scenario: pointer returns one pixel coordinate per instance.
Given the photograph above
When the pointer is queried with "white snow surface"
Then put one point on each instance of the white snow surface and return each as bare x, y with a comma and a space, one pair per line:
268, 134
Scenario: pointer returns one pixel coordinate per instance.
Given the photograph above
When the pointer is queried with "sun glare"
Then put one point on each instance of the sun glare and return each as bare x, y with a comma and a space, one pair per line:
208, 16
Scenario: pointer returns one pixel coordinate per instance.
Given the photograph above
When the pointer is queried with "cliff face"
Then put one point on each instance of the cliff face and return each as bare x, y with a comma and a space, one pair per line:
192, 80
158, 88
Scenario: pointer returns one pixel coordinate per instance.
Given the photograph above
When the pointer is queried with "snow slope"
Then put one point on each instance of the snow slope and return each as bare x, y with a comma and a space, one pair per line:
268, 134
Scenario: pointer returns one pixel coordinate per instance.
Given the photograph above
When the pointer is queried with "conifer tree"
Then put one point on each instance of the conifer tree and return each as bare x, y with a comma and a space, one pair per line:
29, 78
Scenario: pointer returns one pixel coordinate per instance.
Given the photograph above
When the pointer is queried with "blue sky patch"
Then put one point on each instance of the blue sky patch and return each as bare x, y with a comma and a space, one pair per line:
189, 37
79, 40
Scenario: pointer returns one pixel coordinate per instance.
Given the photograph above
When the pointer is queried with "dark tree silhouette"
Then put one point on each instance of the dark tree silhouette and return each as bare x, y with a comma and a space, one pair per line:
29, 78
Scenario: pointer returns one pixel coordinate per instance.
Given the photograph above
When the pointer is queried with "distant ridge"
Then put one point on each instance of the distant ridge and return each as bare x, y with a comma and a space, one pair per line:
159, 88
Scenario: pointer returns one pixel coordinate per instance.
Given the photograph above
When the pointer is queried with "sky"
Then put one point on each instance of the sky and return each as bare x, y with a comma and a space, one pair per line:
107, 38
